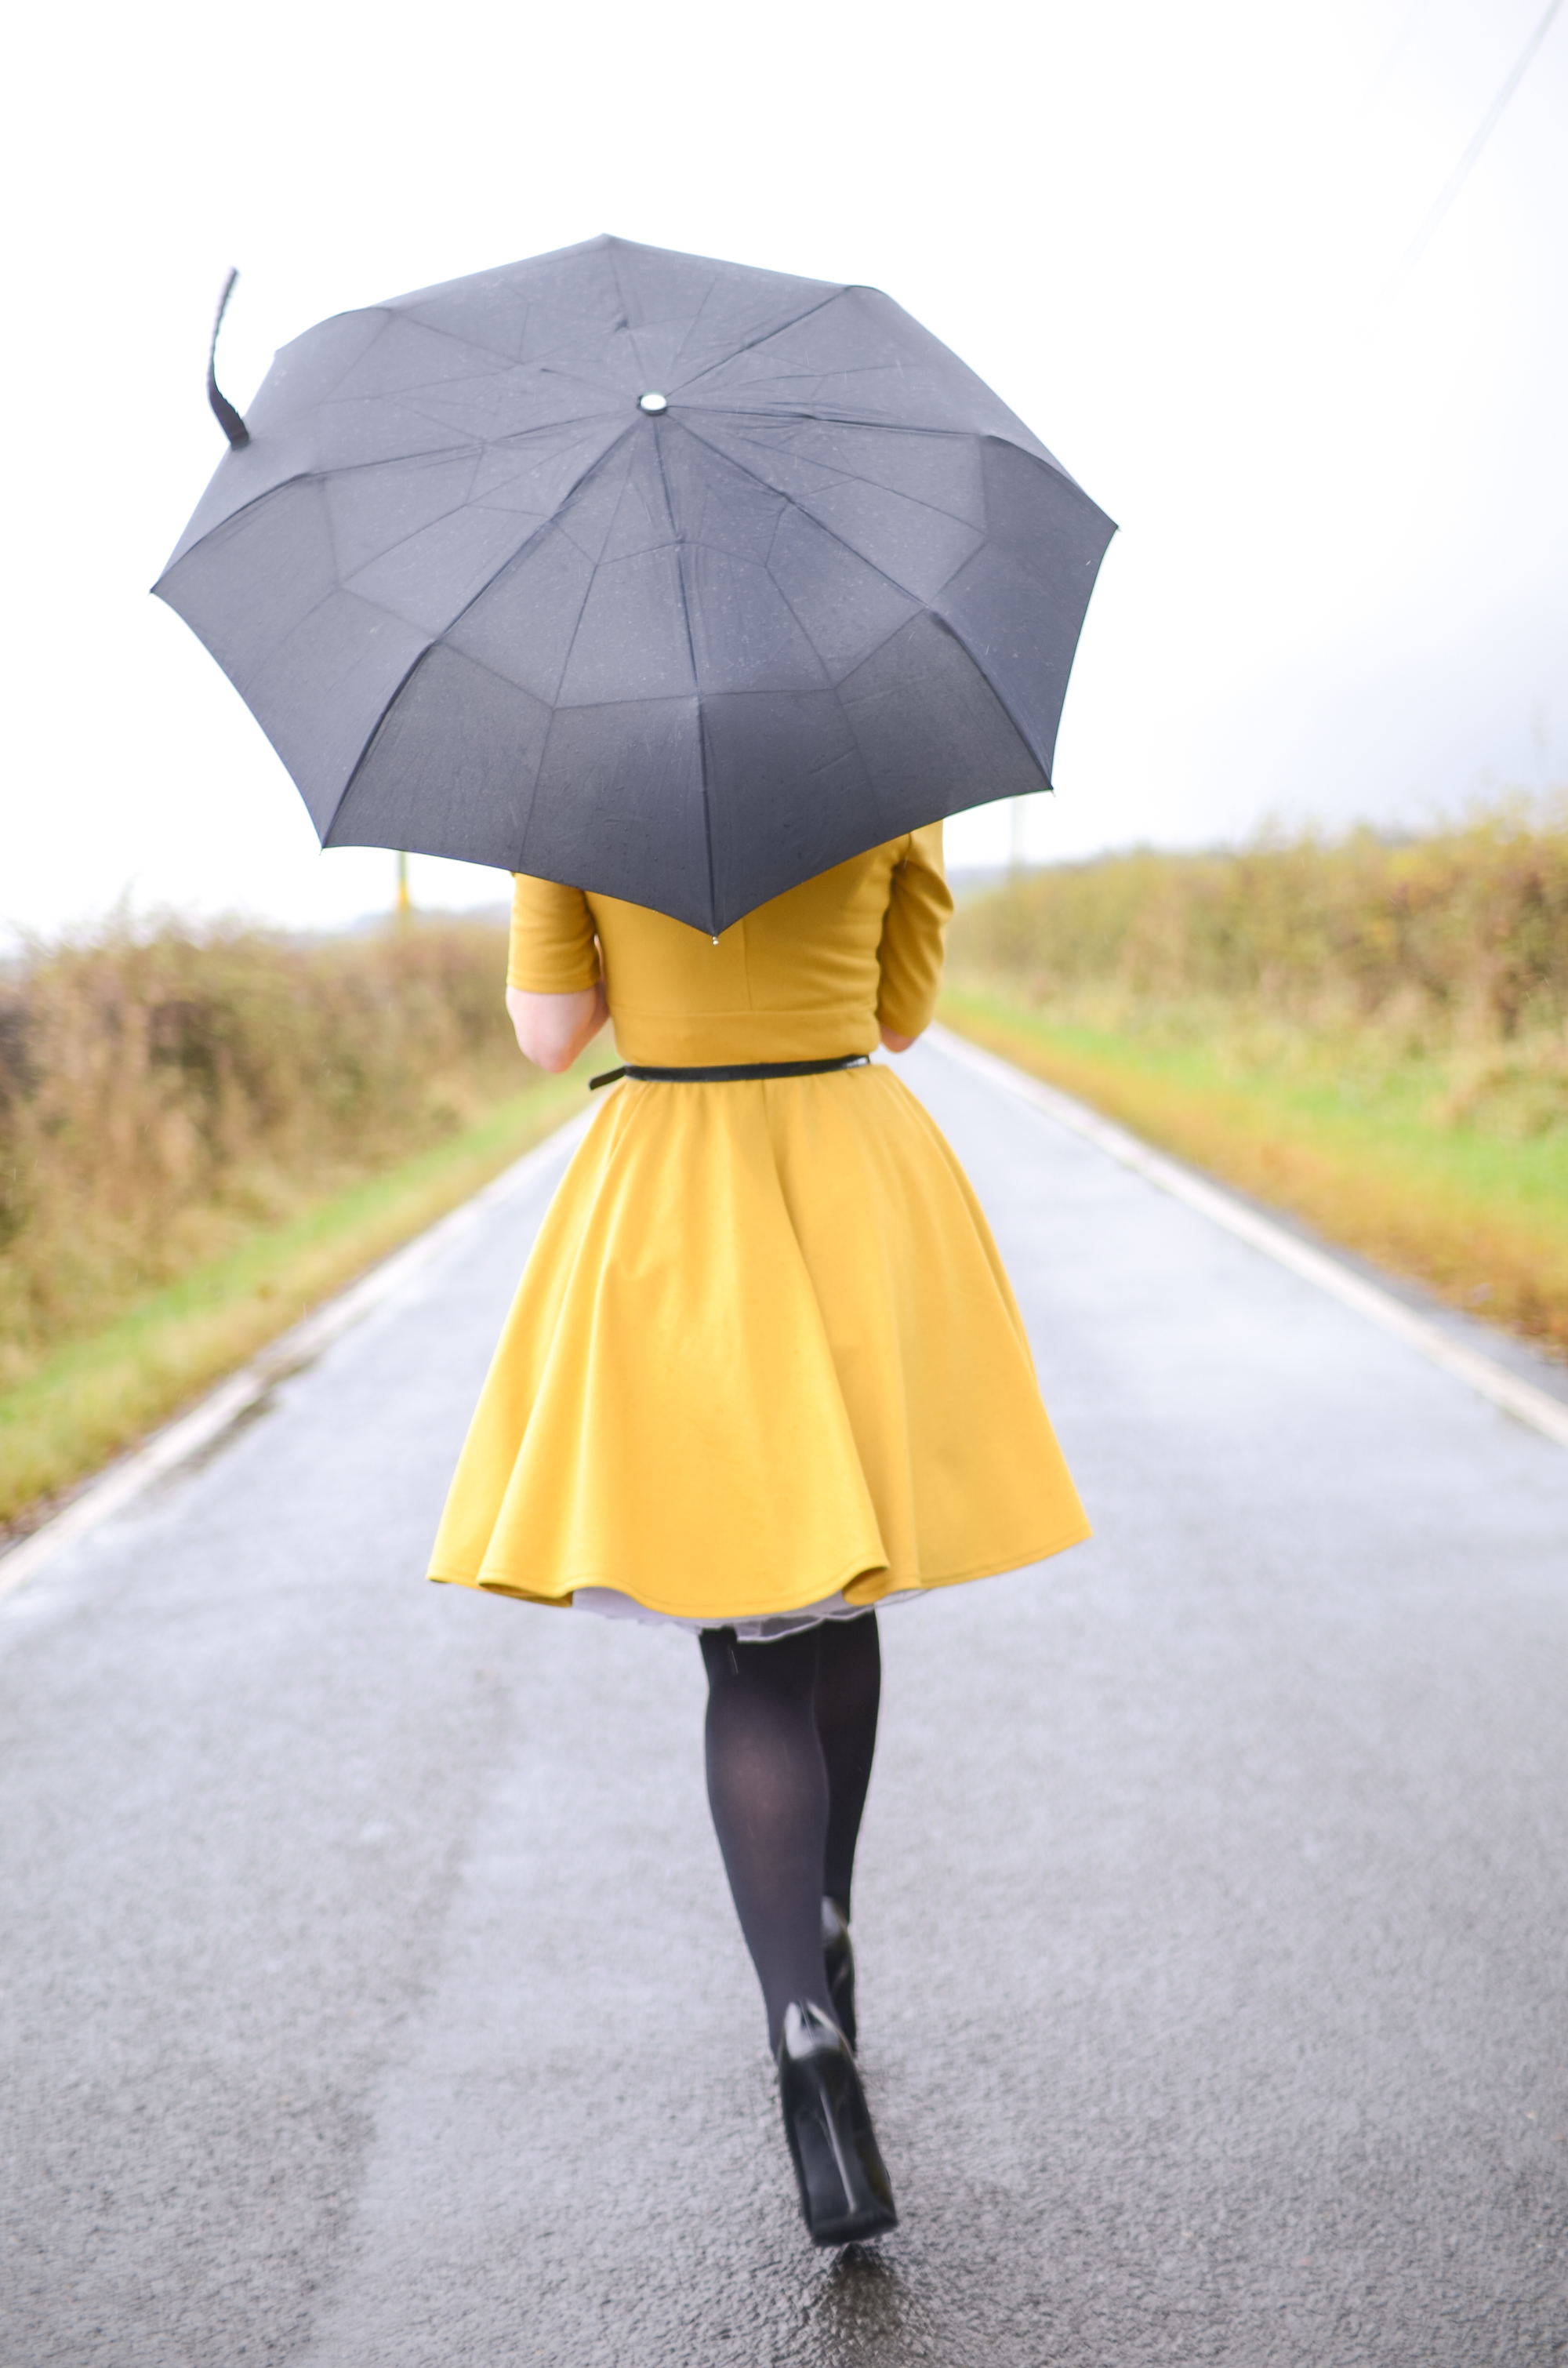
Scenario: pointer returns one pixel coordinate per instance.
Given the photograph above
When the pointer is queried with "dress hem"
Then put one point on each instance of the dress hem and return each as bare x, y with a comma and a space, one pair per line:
562, 1599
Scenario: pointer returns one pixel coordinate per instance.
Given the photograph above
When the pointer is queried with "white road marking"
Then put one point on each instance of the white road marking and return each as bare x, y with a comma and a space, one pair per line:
207, 1420
1481, 1374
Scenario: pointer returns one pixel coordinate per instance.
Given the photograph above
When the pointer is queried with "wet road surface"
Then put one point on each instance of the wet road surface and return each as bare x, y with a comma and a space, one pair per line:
371, 1991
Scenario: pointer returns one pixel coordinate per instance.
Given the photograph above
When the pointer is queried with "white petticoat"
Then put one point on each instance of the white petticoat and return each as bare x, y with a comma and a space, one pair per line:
611, 1604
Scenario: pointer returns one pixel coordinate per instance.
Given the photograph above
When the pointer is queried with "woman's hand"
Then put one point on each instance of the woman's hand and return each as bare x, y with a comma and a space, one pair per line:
893, 1042
553, 1028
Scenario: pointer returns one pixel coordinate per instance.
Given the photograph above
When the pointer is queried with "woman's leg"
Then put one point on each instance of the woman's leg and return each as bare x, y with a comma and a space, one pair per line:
768, 1783
768, 1786
848, 1691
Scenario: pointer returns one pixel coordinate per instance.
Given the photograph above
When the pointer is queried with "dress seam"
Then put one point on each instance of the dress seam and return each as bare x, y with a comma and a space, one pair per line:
818, 1011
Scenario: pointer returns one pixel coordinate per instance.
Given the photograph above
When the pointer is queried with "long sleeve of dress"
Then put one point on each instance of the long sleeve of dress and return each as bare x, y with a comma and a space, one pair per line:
552, 950
910, 955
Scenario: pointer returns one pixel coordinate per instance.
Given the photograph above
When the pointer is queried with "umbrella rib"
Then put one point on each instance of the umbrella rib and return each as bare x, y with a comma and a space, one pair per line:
434, 329
763, 337
474, 453
1071, 483
815, 416
634, 334
806, 630
697, 688
313, 611
477, 446
329, 395
866, 656
474, 460
843, 541
389, 460
530, 539
854, 477
691, 325
325, 477
409, 397
943, 625
620, 283
373, 736
923, 605
625, 309
947, 626
390, 314
477, 345
583, 605
577, 377
438, 639
778, 326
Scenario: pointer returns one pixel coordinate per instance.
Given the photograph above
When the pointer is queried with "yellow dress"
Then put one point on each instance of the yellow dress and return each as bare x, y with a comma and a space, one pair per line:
764, 1361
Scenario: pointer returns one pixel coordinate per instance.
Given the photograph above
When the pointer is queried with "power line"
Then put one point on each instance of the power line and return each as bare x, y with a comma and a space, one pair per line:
1457, 178
1393, 54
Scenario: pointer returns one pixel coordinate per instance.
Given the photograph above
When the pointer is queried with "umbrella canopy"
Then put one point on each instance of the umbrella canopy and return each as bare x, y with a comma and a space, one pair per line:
662, 578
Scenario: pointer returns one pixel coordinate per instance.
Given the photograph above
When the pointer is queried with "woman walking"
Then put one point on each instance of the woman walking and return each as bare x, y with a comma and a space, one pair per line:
762, 1374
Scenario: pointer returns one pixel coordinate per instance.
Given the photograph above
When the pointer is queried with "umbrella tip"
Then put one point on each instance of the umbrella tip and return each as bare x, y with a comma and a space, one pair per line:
229, 419
652, 402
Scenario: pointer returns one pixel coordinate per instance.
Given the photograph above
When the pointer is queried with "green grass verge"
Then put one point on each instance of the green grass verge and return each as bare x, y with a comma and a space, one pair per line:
98, 1394
1481, 1221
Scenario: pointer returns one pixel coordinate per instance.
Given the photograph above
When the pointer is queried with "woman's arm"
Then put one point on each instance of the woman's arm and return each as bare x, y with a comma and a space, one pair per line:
555, 990
910, 955
553, 1028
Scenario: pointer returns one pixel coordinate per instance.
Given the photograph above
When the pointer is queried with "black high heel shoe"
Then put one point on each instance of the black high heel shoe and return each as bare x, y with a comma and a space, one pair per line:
845, 2196
839, 1959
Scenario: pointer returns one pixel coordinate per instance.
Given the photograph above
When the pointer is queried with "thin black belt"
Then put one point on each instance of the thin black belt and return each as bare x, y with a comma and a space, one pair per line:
737, 1073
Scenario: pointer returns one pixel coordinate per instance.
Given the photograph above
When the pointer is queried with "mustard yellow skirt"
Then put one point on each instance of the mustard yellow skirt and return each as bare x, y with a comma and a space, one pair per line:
764, 1357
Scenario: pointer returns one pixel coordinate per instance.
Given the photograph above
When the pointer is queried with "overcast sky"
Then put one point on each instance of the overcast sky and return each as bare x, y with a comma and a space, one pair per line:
1166, 237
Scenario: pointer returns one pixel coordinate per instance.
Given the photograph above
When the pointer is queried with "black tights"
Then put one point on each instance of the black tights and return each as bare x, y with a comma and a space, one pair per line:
791, 1727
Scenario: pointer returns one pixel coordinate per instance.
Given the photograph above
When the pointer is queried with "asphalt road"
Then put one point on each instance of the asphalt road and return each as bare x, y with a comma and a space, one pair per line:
371, 1996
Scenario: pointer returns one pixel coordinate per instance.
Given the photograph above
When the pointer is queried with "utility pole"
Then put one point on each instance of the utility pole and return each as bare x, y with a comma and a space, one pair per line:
404, 901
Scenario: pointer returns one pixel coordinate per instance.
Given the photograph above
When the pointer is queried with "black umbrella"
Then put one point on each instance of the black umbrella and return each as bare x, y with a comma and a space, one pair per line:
662, 577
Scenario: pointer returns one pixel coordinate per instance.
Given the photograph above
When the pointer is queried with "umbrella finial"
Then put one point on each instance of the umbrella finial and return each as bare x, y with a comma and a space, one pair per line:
229, 419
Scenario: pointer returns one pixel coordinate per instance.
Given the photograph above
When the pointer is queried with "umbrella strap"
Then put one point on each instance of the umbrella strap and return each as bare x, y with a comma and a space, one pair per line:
229, 419
737, 1073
